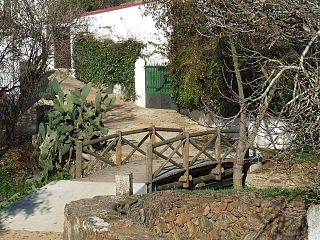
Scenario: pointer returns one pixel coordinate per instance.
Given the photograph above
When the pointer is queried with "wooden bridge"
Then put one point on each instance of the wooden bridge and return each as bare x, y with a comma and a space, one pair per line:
172, 157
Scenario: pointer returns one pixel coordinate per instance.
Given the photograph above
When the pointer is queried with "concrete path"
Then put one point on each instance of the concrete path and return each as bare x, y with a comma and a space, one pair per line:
44, 210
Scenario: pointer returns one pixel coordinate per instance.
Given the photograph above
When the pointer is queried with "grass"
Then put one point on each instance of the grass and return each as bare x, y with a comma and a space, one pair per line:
306, 157
18, 171
13, 188
291, 193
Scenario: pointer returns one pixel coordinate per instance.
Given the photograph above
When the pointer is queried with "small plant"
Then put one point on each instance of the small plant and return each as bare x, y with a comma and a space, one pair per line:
70, 119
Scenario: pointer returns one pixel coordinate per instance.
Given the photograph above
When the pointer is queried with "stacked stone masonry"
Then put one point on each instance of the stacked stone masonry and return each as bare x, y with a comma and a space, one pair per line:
182, 215
221, 216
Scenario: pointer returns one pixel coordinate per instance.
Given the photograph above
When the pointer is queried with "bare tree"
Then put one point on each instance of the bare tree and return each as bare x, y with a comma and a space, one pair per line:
27, 31
278, 41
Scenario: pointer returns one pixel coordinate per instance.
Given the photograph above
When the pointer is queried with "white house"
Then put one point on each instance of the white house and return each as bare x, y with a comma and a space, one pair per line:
128, 21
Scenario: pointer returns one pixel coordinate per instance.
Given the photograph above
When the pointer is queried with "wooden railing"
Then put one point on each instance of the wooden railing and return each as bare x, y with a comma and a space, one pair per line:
116, 142
223, 147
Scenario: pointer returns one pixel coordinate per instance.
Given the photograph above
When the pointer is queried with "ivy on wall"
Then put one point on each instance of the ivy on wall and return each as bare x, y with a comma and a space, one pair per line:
107, 62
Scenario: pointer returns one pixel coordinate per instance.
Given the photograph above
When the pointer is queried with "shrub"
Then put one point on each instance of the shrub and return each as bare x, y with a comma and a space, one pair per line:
70, 119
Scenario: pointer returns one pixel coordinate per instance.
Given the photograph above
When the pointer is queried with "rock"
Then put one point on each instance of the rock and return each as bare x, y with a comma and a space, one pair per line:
216, 208
164, 227
191, 229
195, 221
213, 235
206, 210
220, 216
222, 234
170, 217
230, 207
182, 219
176, 231
97, 218
142, 215
206, 224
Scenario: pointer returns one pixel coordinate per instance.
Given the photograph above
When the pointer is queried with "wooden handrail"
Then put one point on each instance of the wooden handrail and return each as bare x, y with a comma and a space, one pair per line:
136, 148
149, 168
169, 157
99, 140
119, 149
168, 146
200, 134
159, 129
136, 131
168, 141
98, 157
203, 149
185, 139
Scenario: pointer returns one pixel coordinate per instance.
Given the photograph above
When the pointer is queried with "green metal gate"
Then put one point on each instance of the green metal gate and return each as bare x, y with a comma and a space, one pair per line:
158, 92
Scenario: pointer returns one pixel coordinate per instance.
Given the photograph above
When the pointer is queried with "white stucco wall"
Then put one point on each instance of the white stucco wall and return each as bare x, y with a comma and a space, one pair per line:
271, 134
126, 23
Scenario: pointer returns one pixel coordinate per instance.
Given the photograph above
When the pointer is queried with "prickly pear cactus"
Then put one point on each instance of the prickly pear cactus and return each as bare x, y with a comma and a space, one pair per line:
70, 119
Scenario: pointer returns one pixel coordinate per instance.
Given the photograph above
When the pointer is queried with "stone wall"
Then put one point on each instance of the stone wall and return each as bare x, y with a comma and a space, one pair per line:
179, 215
98, 219
176, 215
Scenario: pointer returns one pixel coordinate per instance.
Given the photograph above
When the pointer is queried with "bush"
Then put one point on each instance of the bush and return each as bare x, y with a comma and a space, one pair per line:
107, 62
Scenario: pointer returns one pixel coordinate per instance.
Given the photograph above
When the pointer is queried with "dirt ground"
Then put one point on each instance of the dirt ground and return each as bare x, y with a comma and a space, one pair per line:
127, 116
25, 235
284, 174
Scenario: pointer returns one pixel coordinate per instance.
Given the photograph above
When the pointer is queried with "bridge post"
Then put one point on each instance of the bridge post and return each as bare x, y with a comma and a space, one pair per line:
78, 172
149, 163
217, 148
119, 149
186, 163
153, 135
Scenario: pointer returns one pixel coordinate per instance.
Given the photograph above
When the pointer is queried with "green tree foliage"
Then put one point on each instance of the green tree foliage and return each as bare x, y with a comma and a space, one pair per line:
200, 58
196, 61
70, 119
107, 62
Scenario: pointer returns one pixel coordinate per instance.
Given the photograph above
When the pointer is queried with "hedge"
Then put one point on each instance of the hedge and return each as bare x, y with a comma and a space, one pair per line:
107, 62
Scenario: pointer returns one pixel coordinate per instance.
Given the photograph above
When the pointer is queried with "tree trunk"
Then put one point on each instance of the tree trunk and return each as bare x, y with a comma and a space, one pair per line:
241, 148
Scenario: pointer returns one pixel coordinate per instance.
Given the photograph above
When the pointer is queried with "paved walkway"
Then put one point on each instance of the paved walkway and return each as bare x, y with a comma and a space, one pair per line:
44, 210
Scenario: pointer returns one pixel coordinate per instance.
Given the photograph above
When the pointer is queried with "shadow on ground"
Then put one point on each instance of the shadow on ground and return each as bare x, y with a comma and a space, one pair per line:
119, 113
25, 208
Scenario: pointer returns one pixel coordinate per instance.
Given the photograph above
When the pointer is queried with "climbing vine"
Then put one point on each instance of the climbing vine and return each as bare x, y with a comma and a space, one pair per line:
107, 62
